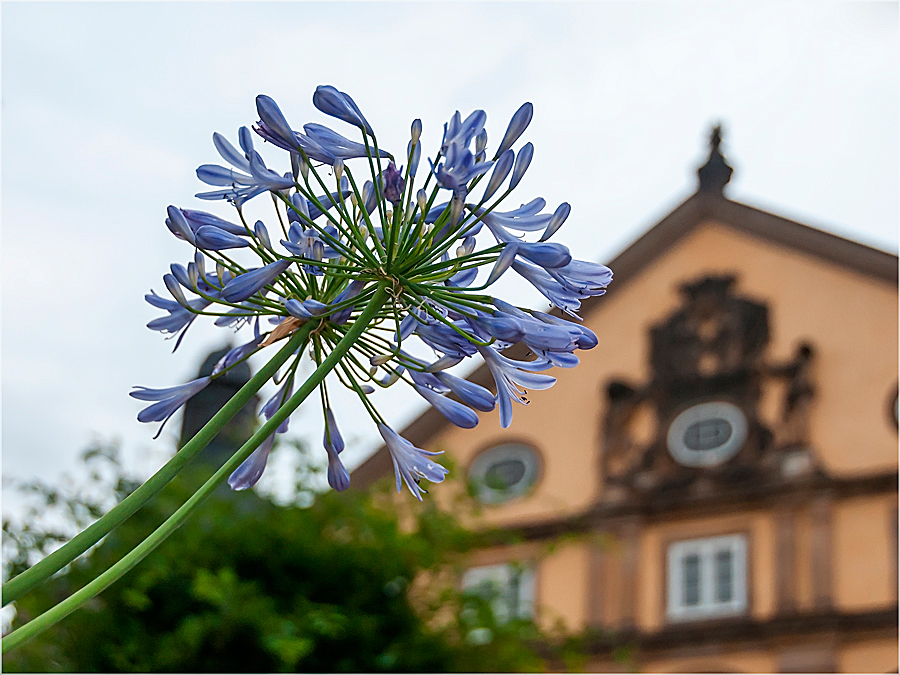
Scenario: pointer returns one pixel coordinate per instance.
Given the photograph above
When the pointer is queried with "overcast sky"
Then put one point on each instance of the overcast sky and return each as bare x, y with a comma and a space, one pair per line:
108, 109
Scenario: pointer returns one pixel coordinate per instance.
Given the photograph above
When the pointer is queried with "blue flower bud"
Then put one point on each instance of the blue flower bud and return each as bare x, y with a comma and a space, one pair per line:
180, 224
516, 128
214, 239
501, 171
523, 159
251, 469
193, 274
480, 142
556, 222
247, 284
393, 184
181, 274
262, 234
506, 258
338, 104
200, 261
175, 289
270, 114
414, 157
333, 440
471, 394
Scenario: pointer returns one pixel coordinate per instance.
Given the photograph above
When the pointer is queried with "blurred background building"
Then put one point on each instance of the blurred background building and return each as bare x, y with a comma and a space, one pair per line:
714, 488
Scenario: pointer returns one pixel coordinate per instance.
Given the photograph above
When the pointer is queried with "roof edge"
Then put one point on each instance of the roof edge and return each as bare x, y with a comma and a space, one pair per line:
699, 207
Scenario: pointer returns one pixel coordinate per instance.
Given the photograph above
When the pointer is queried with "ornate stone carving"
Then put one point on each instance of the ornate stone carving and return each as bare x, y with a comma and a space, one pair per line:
708, 351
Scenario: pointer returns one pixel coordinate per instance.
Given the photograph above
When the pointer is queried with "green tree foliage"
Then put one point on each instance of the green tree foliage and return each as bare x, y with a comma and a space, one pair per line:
247, 585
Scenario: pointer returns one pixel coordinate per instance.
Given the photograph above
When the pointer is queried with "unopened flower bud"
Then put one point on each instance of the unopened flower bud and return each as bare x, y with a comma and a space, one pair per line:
481, 141
381, 359
393, 184
466, 247
193, 274
200, 261
415, 131
393, 377
175, 289
304, 169
220, 273
262, 234
422, 199
338, 167
456, 207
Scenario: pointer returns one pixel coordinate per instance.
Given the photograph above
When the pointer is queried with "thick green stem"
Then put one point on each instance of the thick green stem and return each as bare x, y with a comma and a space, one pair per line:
43, 570
115, 572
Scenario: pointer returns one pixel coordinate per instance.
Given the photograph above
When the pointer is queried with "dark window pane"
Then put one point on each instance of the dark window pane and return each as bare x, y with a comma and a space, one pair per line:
724, 576
505, 474
691, 570
707, 434
512, 593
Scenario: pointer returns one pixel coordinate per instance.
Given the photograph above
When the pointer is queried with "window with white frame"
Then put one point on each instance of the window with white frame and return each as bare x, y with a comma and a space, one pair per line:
509, 587
707, 577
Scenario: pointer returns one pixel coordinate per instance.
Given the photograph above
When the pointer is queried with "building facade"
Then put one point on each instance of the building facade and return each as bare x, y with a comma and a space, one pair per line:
714, 487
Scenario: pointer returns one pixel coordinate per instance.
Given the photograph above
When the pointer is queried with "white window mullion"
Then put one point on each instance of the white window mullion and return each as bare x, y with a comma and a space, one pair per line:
707, 587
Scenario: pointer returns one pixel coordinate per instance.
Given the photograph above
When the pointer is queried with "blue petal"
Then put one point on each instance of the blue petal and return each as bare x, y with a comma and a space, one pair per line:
229, 154
213, 174
545, 255
455, 412
410, 462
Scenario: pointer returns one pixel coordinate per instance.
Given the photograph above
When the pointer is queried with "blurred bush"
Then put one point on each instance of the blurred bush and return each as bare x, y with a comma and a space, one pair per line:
329, 583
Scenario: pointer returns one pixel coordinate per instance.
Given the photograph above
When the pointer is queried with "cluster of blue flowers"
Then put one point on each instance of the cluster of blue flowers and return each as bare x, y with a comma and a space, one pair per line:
338, 238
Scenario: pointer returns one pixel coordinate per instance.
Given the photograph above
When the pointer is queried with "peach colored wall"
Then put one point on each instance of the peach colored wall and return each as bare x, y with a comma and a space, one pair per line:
759, 528
871, 656
562, 578
850, 318
864, 571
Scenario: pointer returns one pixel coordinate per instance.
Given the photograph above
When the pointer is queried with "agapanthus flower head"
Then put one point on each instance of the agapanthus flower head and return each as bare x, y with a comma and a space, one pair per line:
371, 256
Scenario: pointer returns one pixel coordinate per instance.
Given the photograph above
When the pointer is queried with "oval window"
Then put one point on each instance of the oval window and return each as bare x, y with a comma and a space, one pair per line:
707, 434
504, 472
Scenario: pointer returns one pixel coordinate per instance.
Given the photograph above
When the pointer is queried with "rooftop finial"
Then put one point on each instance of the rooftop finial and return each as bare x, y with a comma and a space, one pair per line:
715, 174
